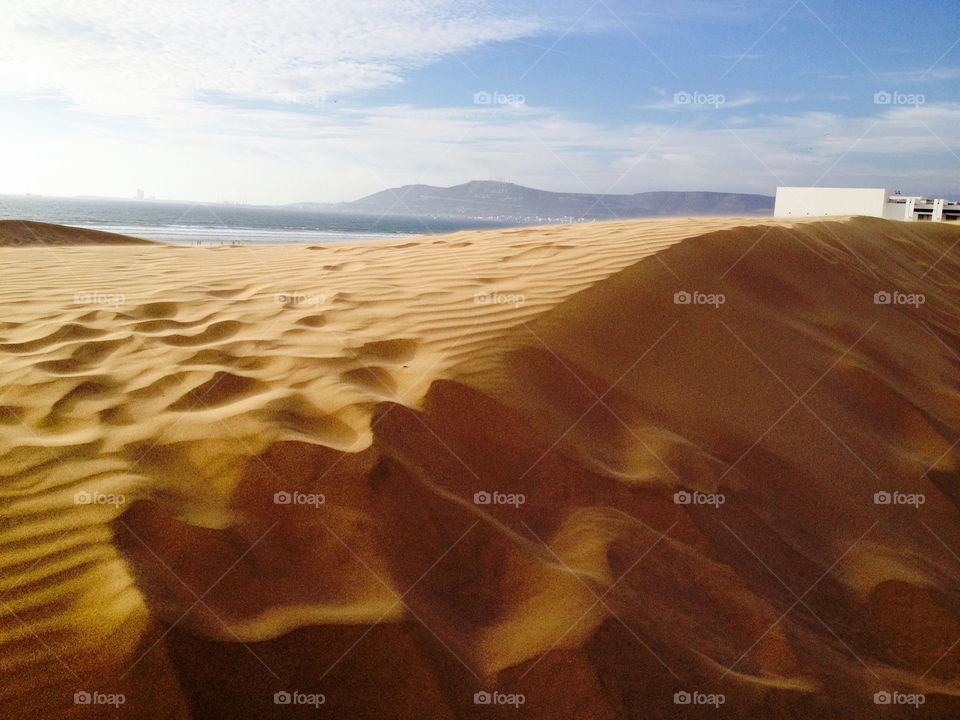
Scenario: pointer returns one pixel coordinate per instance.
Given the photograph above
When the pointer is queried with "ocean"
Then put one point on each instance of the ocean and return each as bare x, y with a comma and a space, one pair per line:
214, 223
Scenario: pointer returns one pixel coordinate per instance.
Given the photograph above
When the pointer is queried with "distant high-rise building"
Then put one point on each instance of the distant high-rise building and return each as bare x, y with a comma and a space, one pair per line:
139, 195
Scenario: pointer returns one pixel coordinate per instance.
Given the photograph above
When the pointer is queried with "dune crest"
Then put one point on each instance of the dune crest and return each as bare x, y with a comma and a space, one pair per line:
24, 233
596, 465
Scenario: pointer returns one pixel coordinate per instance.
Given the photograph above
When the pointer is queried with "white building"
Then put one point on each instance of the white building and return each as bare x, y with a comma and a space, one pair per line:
874, 202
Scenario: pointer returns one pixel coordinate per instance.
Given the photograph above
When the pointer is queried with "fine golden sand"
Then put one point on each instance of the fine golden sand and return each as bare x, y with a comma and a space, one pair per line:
21, 233
228, 472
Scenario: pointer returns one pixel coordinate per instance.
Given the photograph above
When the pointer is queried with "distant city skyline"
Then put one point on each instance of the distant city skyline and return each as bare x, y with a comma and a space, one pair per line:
328, 102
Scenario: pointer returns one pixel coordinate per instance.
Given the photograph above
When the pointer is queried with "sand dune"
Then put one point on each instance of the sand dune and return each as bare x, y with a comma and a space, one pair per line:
593, 466
14, 233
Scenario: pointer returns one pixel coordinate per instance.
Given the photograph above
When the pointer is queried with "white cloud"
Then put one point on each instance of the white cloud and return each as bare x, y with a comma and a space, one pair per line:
170, 96
274, 157
702, 100
134, 58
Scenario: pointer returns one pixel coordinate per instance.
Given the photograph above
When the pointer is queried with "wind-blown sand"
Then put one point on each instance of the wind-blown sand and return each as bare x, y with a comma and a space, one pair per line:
154, 400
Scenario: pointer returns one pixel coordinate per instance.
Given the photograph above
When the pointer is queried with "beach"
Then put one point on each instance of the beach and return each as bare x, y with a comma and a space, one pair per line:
606, 470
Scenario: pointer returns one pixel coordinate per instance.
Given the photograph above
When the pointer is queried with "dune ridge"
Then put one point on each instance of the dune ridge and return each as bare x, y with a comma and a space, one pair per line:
265, 465
20, 233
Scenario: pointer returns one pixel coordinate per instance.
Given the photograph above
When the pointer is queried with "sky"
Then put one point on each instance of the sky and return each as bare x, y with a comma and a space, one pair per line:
321, 100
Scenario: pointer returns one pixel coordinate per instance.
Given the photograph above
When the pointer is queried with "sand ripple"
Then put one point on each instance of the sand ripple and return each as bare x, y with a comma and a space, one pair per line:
399, 474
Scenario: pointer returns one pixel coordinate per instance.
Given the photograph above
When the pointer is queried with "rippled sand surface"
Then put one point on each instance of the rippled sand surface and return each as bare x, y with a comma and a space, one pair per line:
602, 468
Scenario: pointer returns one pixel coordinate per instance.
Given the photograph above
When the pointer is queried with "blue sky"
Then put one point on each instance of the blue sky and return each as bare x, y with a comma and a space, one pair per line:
311, 100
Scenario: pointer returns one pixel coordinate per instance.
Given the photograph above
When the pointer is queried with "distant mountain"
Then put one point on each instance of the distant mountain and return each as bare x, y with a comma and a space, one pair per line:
506, 201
